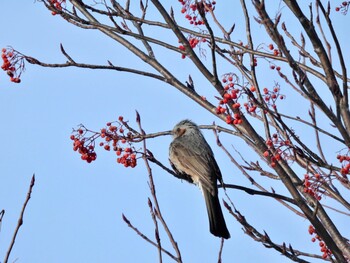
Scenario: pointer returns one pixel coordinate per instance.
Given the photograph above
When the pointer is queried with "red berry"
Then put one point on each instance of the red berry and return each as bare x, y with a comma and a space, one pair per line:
252, 109
236, 105
311, 230
278, 157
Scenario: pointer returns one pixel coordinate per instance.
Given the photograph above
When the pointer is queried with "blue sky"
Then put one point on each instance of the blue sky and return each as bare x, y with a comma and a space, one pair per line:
75, 211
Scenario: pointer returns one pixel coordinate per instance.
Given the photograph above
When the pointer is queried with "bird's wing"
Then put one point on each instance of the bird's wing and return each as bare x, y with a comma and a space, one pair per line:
198, 162
180, 174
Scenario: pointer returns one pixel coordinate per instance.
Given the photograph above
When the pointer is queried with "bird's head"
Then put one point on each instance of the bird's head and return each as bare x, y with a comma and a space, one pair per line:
184, 127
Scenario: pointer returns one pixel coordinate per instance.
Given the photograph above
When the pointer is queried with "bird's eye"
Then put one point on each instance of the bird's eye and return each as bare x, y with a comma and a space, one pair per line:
178, 130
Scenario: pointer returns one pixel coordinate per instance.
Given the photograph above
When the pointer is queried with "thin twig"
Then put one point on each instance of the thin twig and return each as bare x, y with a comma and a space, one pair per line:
127, 221
261, 193
20, 220
2, 213
154, 196
221, 249
156, 230
71, 63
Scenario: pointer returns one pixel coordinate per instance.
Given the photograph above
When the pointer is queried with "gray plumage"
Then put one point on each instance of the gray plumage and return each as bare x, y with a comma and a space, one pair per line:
193, 160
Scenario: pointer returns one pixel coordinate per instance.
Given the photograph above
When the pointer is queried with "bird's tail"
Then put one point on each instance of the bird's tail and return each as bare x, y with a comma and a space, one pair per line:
216, 218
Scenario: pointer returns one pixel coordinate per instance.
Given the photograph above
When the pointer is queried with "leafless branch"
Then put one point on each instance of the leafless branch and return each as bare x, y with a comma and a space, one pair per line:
127, 221
20, 220
154, 196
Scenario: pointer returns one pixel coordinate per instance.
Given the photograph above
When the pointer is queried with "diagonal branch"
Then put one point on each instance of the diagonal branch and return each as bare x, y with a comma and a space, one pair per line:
20, 220
127, 221
251, 231
155, 200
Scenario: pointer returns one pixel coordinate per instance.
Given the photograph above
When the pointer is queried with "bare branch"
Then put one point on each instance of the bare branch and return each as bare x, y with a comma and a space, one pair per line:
127, 221
20, 220
155, 200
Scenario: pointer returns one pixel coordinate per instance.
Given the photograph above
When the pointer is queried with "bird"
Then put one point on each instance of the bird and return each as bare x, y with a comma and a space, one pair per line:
193, 160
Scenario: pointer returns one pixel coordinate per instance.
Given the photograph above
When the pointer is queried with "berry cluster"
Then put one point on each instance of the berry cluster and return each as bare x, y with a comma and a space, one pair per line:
345, 161
114, 137
271, 96
84, 146
193, 41
190, 8
13, 64
57, 4
278, 148
275, 51
231, 95
311, 185
326, 252
343, 8
250, 106
128, 159
234, 119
